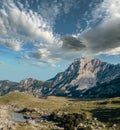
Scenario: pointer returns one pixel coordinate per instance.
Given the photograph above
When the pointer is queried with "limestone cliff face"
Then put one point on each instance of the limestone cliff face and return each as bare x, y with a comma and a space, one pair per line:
83, 74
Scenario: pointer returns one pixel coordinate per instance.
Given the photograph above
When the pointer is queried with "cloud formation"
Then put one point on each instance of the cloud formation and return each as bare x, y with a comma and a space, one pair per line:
115, 51
11, 43
72, 43
105, 37
2, 27
26, 23
22, 24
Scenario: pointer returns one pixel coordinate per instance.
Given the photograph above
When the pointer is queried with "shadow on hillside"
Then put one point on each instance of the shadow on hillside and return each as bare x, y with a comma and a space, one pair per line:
84, 99
107, 115
115, 102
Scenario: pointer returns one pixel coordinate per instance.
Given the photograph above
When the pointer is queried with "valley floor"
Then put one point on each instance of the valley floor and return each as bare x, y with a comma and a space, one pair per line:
58, 113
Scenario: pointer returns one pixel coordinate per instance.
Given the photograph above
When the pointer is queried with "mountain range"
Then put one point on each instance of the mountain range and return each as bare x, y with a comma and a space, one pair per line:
85, 78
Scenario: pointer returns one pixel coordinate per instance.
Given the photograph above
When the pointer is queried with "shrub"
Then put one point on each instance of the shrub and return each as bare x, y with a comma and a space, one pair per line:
84, 128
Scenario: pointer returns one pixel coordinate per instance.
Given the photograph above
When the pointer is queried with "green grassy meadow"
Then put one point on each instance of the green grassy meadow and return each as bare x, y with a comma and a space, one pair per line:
105, 110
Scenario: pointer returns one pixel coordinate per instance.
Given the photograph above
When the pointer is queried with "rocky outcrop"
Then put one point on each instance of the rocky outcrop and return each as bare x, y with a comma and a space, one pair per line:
33, 87
5, 122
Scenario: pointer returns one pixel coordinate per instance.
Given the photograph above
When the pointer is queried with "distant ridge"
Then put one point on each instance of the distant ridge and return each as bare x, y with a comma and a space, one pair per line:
85, 77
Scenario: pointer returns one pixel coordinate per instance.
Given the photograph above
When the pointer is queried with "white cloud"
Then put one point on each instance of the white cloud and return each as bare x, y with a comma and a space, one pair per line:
49, 55
42, 53
106, 35
26, 24
39, 64
26, 56
11, 43
68, 4
30, 25
49, 11
115, 51
2, 27
15, 45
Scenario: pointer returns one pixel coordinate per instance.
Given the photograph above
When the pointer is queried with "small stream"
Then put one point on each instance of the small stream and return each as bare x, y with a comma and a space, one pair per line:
18, 117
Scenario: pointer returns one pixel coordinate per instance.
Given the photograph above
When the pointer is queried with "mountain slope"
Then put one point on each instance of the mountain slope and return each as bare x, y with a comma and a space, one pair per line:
31, 86
85, 77
7, 86
82, 75
107, 90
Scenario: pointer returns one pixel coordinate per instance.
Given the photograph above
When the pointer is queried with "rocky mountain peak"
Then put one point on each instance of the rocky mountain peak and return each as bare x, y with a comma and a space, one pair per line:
86, 63
83, 74
27, 81
85, 66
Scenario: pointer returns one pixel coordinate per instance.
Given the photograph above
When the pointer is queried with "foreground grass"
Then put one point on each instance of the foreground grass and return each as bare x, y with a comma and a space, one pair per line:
107, 111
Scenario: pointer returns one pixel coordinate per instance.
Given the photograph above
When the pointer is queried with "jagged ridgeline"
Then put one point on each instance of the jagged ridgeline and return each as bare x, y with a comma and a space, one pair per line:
85, 77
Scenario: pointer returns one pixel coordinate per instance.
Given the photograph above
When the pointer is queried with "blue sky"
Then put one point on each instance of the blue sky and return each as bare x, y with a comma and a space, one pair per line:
39, 38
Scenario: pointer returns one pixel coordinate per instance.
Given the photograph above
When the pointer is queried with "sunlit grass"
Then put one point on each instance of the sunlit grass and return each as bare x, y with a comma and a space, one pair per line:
107, 111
